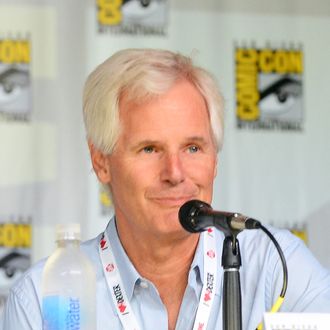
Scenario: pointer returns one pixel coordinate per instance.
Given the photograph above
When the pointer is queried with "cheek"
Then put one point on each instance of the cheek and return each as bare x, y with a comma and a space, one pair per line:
205, 171
122, 183
130, 179
207, 181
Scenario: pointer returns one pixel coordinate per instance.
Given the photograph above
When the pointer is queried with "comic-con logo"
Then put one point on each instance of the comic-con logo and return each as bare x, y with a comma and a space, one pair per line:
15, 244
15, 235
269, 88
132, 16
15, 89
14, 51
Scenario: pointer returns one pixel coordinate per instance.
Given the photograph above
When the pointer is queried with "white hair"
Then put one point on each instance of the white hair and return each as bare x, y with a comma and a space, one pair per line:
142, 74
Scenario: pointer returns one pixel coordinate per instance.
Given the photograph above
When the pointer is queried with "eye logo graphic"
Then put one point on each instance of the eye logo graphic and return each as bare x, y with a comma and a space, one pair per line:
15, 82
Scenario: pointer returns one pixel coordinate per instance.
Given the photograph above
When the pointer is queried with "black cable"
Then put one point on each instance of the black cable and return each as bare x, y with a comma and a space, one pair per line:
284, 265
280, 299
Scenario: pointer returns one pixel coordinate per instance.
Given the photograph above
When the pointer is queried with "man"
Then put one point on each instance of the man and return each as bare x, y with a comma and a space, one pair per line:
154, 127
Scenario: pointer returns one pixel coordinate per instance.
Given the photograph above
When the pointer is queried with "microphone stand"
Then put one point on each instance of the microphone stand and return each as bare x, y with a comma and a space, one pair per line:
232, 300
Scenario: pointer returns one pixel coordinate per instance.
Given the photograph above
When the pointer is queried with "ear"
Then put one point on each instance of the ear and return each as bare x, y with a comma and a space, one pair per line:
100, 163
215, 168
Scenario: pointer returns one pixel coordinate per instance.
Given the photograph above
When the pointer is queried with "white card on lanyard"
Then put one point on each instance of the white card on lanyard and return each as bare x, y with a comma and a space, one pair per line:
119, 297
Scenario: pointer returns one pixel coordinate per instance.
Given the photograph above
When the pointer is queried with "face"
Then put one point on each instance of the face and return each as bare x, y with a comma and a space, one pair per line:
165, 156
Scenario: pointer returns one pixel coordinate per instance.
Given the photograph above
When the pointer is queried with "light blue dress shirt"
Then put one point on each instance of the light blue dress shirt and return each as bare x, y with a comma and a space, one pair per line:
261, 282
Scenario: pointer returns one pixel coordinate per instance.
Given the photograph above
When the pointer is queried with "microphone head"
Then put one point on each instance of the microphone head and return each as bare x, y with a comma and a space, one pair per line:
187, 215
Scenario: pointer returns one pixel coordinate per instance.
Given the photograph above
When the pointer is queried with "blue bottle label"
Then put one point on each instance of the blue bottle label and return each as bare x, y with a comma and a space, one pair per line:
61, 313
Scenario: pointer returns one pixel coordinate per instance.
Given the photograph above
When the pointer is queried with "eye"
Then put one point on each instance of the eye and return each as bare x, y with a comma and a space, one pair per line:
193, 149
148, 149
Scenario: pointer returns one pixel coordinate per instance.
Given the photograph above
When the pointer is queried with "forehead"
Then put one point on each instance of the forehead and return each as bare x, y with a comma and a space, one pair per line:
180, 97
181, 108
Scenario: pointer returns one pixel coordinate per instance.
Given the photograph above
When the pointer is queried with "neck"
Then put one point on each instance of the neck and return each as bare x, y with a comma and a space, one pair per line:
157, 258
163, 259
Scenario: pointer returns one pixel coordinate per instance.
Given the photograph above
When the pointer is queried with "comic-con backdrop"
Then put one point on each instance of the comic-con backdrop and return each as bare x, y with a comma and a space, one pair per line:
272, 69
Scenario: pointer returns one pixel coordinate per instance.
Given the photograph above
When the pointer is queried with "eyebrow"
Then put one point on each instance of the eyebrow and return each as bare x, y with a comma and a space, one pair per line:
149, 142
144, 143
198, 139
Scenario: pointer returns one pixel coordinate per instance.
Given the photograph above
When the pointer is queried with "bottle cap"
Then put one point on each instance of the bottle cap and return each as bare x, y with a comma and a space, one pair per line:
68, 231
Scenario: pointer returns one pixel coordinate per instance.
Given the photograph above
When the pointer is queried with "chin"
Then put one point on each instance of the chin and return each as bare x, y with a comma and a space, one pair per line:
173, 227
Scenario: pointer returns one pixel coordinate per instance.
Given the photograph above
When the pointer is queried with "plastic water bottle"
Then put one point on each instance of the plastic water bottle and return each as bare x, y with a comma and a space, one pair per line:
68, 284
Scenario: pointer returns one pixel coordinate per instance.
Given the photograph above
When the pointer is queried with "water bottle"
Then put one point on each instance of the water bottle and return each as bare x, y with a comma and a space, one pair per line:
68, 284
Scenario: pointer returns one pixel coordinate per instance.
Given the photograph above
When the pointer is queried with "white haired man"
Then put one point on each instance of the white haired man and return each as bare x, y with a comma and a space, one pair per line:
154, 125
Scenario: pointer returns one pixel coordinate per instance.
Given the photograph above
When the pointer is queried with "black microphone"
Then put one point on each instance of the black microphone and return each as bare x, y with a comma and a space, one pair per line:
196, 216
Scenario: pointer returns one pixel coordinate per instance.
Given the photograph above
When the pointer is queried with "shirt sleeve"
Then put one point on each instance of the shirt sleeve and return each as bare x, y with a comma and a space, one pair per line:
22, 310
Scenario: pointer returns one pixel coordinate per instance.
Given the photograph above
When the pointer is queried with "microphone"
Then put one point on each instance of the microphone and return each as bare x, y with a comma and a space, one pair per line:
196, 216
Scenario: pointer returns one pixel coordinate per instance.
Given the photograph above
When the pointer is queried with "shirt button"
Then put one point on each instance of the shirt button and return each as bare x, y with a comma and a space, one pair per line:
144, 285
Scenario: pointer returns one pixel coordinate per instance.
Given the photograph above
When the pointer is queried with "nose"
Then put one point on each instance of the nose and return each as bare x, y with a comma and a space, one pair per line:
172, 170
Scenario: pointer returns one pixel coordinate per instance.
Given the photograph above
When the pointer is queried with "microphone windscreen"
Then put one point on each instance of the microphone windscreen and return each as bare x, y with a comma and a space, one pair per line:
187, 213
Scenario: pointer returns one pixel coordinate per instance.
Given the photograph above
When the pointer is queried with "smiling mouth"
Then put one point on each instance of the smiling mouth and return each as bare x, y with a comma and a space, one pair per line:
172, 201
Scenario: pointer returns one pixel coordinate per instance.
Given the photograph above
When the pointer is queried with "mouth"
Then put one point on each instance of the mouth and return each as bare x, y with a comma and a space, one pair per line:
172, 201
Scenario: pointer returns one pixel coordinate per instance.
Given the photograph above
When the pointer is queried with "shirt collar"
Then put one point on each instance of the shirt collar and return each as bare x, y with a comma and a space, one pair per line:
129, 275
195, 278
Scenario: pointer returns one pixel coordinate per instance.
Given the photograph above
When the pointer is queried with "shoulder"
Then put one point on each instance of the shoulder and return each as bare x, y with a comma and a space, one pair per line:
91, 250
28, 283
258, 248
309, 282
90, 247
26, 291
260, 256
257, 242
23, 308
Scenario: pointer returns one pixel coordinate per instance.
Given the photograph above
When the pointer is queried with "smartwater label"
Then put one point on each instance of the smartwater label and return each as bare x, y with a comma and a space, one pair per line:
61, 313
